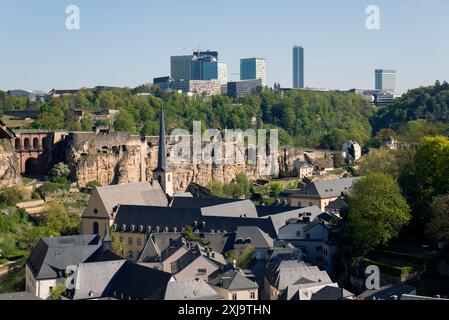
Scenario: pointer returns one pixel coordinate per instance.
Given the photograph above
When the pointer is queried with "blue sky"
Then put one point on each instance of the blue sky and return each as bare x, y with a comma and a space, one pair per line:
127, 43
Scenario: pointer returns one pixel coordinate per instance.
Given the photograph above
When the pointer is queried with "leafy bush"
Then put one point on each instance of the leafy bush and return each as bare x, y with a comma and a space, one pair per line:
60, 170
10, 196
51, 187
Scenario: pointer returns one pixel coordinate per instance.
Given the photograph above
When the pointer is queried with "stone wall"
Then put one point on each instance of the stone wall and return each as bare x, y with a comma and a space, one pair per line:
120, 158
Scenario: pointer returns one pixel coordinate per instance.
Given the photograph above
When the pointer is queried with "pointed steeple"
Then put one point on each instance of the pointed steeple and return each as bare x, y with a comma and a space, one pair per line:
162, 165
163, 174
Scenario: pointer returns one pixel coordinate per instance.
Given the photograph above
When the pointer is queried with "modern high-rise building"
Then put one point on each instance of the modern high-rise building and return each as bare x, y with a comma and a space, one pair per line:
206, 66
385, 80
298, 67
181, 67
252, 69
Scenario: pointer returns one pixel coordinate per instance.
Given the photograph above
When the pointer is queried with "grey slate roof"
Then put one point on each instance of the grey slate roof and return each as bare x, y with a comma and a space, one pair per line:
280, 220
303, 291
95, 280
326, 188
51, 256
231, 279
141, 193
122, 280
389, 292
194, 253
218, 207
171, 218
141, 283
254, 236
281, 274
190, 290
303, 164
18, 296
338, 204
332, 293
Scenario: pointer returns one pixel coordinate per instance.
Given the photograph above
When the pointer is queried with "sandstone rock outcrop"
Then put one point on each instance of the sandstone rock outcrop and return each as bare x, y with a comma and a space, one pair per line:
118, 157
9, 167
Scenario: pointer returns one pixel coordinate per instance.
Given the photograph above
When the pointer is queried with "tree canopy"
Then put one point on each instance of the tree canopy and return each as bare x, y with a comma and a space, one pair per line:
377, 211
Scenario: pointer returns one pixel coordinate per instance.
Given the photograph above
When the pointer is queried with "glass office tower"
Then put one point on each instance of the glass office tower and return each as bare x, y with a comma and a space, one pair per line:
298, 67
252, 69
385, 80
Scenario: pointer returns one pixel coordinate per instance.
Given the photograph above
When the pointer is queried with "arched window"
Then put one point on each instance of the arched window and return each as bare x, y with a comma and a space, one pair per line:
17, 144
35, 144
96, 228
26, 143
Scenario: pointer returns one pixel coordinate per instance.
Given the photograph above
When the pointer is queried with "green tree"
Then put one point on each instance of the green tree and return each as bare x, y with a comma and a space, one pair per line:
243, 185
86, 124
379, 160
57, 292
431, 171
58, 222
243, 259
438, 228
125, 122
377, 211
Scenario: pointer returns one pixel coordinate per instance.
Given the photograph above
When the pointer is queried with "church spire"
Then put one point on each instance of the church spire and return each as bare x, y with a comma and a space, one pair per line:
163, 174
162, 156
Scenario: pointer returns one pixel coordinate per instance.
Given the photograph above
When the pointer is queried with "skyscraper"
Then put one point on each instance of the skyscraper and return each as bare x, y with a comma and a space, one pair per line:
181, 67
385, 80
205, 66
298, 67
252, 69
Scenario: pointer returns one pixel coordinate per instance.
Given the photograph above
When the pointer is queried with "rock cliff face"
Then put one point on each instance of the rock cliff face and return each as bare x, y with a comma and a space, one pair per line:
9, 167
120, 158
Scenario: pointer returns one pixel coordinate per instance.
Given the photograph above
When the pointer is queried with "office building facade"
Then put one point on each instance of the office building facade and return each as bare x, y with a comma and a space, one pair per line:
385, 80
252, 69
238, 89
298, 67
181, 67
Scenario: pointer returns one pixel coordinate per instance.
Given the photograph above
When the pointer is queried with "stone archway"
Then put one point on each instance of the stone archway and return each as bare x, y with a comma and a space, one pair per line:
32, 166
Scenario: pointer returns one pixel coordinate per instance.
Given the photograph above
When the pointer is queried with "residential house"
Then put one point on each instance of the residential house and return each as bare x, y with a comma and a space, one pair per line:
47, 263
233, 284
304, 169
391, 143
323, 166
285, 278
321, 193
